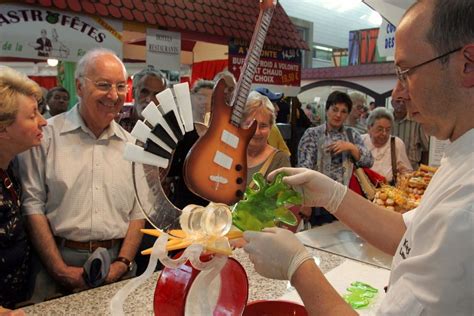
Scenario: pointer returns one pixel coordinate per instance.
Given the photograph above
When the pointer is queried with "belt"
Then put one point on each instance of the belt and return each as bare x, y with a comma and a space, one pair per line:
88, 245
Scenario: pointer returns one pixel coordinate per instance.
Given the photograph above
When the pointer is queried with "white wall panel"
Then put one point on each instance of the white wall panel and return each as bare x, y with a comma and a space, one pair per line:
332, 19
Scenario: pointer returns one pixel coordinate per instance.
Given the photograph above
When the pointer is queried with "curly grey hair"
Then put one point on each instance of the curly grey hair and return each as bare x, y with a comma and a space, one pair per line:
202, 84
148, 71
378, 114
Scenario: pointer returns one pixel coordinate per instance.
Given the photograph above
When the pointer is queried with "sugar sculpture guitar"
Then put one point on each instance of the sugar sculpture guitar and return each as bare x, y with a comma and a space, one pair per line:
216, 166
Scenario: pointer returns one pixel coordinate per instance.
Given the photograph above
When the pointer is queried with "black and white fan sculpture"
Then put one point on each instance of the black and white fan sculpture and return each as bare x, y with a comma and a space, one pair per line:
164, 126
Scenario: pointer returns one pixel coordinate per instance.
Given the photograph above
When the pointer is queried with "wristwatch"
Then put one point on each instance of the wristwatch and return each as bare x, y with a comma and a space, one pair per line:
125, 261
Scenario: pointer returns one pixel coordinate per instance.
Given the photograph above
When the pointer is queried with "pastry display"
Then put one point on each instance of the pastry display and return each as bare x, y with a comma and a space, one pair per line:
409, 191
415, 183
392, 199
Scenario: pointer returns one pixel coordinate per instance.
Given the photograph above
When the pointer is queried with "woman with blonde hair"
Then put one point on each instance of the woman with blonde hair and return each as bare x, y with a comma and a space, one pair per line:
20, 129
262, 157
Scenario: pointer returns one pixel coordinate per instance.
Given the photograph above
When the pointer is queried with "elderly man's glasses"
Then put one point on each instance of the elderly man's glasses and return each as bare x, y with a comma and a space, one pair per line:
106, 86
402, 74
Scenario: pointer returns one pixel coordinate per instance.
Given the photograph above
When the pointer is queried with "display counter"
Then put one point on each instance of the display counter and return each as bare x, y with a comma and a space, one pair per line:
338, 239
332, 245
96, 301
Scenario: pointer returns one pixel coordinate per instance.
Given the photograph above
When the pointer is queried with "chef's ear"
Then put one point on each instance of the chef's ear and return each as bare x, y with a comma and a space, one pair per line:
468, 61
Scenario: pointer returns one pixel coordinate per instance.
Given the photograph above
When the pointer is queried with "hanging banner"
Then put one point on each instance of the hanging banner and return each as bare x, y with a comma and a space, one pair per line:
354, 47
386, 40
163, 49
368, 44
32, 32
362, 46
279, 69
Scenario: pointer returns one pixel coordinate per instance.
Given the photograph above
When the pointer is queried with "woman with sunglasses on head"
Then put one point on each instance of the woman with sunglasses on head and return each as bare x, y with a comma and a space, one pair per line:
262, 157
328, 148
20, 129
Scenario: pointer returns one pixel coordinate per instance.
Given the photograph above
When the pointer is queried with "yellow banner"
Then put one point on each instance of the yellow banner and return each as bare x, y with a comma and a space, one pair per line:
108, 27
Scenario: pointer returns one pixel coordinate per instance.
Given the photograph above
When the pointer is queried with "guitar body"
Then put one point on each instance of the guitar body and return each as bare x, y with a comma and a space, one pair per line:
216, 166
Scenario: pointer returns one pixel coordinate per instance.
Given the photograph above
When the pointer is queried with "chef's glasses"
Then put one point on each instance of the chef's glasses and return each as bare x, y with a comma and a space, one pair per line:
402, 74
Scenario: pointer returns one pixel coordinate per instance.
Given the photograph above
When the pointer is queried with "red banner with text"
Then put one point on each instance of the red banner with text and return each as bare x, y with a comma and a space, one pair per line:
279, 66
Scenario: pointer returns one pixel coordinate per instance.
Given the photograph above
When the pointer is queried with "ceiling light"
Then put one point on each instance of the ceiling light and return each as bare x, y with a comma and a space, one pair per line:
375, 18
52, 62
323, 48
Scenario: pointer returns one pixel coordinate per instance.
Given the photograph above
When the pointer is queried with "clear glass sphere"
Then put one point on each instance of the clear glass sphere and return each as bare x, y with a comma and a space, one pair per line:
213, 220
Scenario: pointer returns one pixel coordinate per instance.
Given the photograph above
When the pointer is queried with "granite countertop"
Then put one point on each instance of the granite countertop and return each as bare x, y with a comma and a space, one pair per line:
140, 302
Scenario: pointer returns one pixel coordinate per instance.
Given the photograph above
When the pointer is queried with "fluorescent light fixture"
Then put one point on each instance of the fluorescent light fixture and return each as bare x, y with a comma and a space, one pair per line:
327, 49
52, 62
340, 5
375, 18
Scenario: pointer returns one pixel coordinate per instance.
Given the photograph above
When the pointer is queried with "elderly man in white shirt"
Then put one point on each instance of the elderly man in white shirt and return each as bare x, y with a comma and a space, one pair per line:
432, 270
380, 144
78, 191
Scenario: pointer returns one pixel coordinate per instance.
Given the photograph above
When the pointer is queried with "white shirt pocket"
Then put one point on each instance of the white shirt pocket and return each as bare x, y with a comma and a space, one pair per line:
400, 300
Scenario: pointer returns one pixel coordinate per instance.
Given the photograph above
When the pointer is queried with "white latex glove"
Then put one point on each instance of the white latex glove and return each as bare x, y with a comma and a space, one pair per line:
275, 252
316, 188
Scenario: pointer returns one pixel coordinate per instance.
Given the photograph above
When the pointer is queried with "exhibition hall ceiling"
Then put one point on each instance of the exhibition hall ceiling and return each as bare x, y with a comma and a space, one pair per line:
333, 19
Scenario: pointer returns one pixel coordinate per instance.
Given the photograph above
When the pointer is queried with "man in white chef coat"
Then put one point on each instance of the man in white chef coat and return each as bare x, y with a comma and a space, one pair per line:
433, 248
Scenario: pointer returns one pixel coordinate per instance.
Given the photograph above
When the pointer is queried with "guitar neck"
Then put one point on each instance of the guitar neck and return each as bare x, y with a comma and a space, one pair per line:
250, 65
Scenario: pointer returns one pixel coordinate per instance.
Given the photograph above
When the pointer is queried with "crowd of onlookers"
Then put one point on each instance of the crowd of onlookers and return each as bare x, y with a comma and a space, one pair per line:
355, 136
67, 194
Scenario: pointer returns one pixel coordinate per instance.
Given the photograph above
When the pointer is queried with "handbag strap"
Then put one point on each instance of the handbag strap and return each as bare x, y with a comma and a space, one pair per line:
351, 140
368, 188
393, 154
266, 165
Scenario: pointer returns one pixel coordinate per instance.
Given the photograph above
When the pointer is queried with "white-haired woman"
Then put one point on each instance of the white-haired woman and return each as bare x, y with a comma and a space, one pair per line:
20, 129
382, 147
